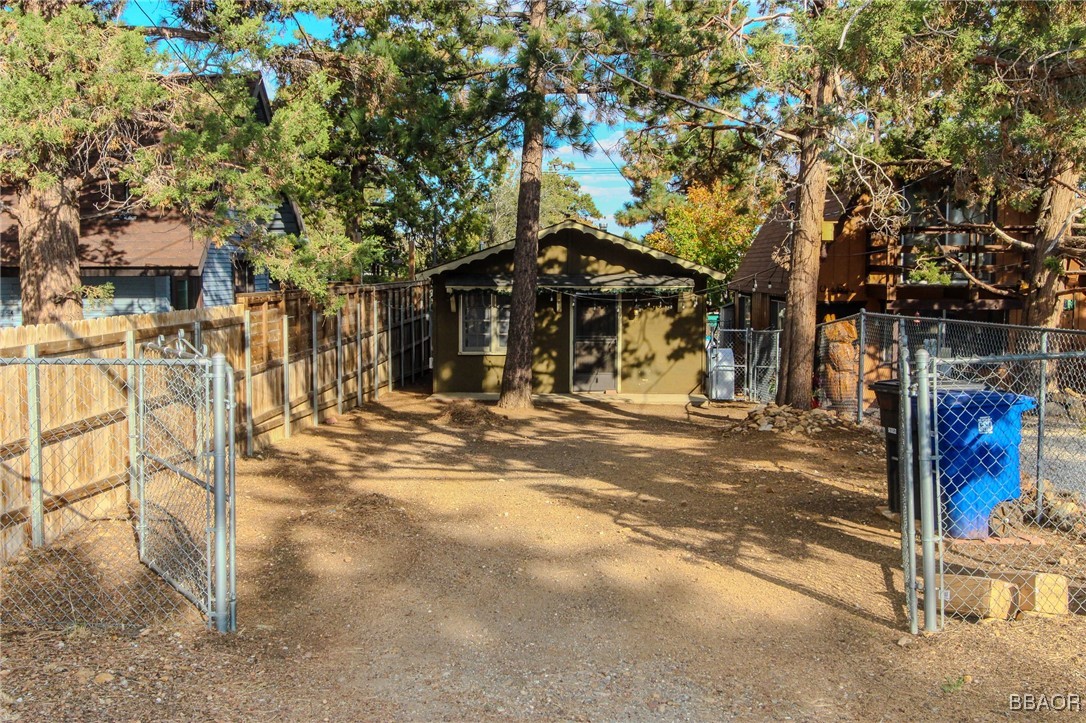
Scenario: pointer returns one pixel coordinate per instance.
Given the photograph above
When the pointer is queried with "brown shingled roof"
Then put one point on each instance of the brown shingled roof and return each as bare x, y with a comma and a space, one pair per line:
761, 260
138, 239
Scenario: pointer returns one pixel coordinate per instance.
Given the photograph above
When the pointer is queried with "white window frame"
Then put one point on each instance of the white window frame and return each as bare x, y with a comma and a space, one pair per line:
495, 348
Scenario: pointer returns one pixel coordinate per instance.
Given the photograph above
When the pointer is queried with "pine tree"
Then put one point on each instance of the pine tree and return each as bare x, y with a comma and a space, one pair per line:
990, 95
73, 89
721, 69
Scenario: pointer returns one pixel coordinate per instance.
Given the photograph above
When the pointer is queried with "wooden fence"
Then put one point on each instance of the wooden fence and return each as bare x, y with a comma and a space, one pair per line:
294, 364
68, 446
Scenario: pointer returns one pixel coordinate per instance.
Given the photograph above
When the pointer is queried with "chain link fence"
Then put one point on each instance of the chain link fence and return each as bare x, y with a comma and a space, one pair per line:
755, 361
855, 351
998, 484
117, 485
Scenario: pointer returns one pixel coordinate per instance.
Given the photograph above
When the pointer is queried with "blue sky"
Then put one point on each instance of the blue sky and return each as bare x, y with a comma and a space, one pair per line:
599, 176
595, 172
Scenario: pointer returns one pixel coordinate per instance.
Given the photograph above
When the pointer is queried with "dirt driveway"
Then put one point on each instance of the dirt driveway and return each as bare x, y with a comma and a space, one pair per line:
578, 562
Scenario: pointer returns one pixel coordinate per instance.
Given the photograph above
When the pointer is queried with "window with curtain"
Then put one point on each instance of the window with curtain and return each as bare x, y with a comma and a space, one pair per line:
484, 322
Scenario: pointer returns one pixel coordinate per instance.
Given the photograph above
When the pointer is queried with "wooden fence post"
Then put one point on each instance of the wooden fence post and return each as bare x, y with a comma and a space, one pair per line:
249, 381
286, 375
375, 325
388, 328
414, 347
33, 418
315, 376
400, 309
266, 356
358, 350
339, 361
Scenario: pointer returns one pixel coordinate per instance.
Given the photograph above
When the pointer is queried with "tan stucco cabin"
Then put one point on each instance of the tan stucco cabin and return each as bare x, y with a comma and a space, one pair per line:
612, 316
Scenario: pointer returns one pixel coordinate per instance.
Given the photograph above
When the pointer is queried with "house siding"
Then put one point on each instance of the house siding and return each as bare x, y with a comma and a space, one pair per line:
131, 295
661, 340
663, 345
469, 373
218, 280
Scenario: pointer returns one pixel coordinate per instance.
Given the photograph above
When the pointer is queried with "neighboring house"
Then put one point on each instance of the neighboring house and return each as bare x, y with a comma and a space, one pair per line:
612, 315
151, 257
760, 283
864, 269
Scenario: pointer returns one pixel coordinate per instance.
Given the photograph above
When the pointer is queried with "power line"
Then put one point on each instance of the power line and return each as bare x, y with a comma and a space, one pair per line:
184, 61
608, 156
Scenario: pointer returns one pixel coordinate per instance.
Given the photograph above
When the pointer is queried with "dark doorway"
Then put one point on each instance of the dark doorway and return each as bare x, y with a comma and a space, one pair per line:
595, 345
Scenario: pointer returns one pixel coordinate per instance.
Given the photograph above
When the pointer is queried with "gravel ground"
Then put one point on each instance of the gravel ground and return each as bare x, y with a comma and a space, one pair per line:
417, 560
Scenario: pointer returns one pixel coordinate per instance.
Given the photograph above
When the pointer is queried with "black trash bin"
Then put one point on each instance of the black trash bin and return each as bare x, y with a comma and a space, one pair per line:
888, 396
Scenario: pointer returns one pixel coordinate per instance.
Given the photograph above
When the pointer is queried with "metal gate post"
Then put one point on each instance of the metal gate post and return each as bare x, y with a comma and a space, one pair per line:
905, 480
231, 462
1042, 393
748, 340
414, 322
33, 415
141, 416
927, 489
860, 377
776, 361
218, 382
130, 399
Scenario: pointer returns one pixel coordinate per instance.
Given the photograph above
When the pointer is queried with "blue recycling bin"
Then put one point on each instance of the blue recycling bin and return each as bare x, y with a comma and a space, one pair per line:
979, 434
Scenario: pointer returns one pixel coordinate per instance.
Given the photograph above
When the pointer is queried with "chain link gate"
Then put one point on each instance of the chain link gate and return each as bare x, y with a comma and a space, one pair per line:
117, 481
996, 484
756, 355
854, 351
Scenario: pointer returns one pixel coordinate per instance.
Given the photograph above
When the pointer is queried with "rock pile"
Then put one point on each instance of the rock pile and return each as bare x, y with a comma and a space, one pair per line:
772, 418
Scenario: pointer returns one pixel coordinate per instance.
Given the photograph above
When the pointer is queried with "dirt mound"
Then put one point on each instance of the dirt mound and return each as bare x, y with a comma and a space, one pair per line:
467, 415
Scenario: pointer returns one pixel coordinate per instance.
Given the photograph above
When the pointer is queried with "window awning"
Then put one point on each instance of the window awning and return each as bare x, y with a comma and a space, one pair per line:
573, 282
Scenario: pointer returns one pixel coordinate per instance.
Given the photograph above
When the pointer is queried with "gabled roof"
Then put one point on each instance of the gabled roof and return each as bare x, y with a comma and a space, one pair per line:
585, 228
609, 282
762, 262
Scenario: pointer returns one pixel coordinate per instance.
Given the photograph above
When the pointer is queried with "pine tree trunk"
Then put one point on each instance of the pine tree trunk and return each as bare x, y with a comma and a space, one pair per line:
517, 375
797, 375
1053, 224
48, 253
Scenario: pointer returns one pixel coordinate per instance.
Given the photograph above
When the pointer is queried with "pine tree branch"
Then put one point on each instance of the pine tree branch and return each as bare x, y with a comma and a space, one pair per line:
167, 32
784, 135
998, 233
969, 275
